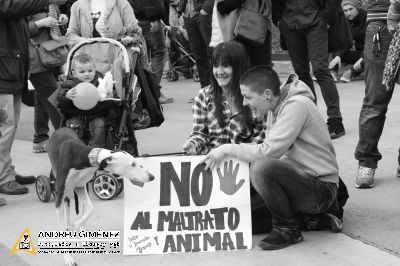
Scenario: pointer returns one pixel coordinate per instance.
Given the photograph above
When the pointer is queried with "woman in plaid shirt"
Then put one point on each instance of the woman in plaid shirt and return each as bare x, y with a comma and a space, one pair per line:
218, 113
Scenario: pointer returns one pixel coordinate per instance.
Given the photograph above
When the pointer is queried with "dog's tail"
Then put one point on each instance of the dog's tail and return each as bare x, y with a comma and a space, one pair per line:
76, 203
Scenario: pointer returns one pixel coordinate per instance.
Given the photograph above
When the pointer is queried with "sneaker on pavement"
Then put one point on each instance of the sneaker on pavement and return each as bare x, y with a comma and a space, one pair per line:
40, 147
335, 127
281, 237
3, 201
347, 75
335, 224
163, 99
334, 76
365, 177
13, 188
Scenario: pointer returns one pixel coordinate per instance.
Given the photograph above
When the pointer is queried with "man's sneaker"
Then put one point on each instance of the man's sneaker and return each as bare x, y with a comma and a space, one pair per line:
40, 146
398, 171
335, 224
347, 75
334, 76
335, 127
365, 177
281, 237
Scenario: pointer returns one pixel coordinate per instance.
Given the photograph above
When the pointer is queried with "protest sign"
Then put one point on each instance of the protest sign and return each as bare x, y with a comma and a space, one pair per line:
188, 209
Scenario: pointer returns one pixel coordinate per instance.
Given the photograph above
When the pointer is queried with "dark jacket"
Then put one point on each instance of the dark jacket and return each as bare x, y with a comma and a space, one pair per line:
148, 9
328, 10
14, 51
358, 26
206, 5
68, 108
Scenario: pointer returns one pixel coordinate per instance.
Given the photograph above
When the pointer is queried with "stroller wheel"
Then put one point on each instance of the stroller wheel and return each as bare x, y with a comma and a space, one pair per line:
187, 74
105, 186
120, 186
195, 75
43, 188
172, 75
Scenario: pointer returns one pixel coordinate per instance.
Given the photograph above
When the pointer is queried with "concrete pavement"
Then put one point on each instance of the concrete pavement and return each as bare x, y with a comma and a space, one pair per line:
371, 233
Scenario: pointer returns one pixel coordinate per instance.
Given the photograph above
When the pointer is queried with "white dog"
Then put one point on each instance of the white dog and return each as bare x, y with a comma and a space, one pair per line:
74, 164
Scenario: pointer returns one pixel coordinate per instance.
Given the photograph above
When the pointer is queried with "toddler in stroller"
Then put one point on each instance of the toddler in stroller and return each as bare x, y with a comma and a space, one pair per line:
83, 70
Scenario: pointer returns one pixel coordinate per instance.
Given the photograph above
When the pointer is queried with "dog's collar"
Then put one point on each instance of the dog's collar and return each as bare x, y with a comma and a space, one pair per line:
93, 157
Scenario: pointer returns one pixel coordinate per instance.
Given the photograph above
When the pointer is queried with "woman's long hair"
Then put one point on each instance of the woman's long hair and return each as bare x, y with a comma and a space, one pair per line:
234, 54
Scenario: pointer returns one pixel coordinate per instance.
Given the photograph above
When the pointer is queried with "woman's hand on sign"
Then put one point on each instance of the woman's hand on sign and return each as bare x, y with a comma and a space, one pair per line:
189, 148
214, 157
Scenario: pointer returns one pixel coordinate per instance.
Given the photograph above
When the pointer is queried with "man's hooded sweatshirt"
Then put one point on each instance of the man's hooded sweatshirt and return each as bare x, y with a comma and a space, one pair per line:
297, 134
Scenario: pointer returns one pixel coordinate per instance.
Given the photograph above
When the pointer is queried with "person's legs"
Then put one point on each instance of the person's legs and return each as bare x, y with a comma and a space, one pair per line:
297, 48
317, 45
12, 106
261, 54
97, 133
156, 49
375, 103
287, 190
45, 84
199, 32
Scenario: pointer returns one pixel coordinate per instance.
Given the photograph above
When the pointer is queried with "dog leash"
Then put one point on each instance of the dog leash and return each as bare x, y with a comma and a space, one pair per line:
161, 154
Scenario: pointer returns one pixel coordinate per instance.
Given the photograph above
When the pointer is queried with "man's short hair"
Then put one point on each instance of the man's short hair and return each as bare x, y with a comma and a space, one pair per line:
260, 78
82, 59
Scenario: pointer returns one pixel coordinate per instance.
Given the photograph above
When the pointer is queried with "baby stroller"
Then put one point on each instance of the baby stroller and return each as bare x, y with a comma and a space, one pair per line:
180, 58
127, 71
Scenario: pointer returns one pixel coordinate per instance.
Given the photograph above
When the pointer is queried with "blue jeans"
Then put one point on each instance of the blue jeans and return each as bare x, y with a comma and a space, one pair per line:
45, 84
287, 190
199, 32
311, 45
376, 99
156, 47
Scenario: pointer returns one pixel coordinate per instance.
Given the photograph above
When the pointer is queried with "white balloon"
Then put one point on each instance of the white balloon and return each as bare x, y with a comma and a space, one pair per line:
87, 96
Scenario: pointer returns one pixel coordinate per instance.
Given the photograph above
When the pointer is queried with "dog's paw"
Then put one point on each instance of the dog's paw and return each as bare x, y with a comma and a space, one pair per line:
69, 261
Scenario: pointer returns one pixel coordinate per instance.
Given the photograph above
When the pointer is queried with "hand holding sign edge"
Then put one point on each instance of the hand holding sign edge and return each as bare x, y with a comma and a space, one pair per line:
214, 157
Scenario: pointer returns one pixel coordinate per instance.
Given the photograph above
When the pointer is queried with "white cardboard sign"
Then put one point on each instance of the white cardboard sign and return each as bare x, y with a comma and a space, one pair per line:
188, 209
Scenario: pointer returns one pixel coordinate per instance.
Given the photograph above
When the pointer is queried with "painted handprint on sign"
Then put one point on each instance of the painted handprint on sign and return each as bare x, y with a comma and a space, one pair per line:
227, 182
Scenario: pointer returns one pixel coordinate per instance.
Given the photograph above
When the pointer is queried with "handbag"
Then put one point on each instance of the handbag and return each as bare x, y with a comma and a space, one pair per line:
253, 21
52, 53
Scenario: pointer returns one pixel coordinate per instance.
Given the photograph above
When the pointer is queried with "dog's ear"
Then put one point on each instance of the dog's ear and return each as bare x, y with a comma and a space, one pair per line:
106, 161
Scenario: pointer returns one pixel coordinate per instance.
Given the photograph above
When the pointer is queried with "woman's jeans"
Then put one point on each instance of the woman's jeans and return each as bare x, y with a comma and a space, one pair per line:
287, 190
376, 99
45, 84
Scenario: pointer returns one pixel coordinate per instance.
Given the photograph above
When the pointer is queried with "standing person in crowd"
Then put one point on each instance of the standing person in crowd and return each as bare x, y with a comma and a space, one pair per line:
14, 61
150, 13
197, 20
258, 54
108, 17
43, 79
295, 168
304, 27
377, 97
357, 19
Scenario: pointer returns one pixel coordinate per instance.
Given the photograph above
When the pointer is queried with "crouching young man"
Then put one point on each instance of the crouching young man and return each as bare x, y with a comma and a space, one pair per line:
295, 168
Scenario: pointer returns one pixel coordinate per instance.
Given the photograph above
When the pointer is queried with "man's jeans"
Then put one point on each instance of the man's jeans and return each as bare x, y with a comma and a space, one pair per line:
199, 32
376, 99
156, 47
45, 84
287, 190
12, 105
311, 44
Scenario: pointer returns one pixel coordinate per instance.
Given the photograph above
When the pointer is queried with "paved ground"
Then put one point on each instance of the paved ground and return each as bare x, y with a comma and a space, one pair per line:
371, 233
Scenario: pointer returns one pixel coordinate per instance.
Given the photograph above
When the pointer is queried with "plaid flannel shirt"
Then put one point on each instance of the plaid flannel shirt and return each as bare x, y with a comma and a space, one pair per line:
207, 133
